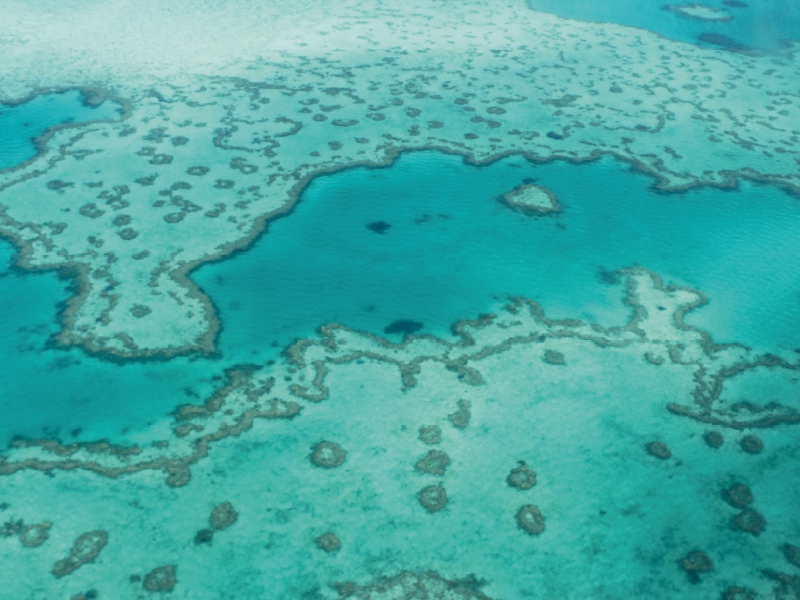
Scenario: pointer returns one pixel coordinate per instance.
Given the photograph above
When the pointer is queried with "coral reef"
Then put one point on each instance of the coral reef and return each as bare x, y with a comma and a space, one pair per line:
700, 12
658, 449
329, 542
414, 586
460, 418
328, 455
253, 393
430, 434
530, 520
577, 119
433, 498
521, 477
749, 521
161, 579
85, 550
435, 462
714, 439
532, 199
223, 516
694, 563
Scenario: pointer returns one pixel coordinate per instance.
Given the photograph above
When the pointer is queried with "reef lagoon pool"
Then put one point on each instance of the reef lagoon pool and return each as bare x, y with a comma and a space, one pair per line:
451, 250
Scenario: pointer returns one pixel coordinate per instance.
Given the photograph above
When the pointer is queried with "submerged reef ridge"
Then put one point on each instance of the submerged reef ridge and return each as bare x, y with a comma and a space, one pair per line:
264, 393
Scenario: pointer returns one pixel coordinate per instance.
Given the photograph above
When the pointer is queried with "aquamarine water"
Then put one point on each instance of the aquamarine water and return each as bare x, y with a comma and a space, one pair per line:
761, 25
427, 240
454, 250
22, 123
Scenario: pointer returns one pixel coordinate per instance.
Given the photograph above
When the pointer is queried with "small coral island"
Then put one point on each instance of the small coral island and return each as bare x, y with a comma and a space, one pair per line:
532, 199
700, 11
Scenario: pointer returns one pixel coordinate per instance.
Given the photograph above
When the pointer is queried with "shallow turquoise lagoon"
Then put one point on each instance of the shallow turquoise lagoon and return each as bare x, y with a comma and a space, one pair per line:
21, 124
761, 25
452, 250
66, 393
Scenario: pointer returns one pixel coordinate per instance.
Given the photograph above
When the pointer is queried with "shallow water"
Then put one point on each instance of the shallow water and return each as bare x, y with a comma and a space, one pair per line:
417, 245
453, 251
22, 123
761, 25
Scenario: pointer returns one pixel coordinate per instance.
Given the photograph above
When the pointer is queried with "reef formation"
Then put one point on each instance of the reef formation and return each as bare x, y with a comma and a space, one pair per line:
212, 156
212, 147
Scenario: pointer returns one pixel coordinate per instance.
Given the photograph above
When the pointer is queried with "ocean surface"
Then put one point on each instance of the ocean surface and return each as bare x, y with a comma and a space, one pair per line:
761, 25
423, 244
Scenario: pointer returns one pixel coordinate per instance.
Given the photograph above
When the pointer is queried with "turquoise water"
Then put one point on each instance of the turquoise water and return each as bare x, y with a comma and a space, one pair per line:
452, 251
428, 241
21, 124
762, 24
65, 393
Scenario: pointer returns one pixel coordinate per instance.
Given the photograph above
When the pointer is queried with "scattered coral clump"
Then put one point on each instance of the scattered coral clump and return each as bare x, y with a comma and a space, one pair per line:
431, 434
659, 450
328, 455
435, 462
521, 477
329, 542
161, 579
751, 444
750, 521
223, 516
737, 495
694, 563
530, 520
714, 439
792, 554
433, 498
414, 586
35, 535
85, 550
460, 418
554, 357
